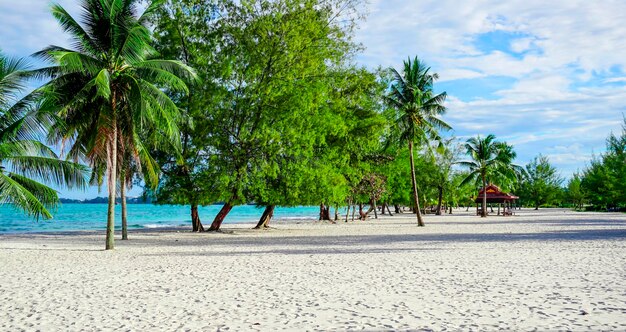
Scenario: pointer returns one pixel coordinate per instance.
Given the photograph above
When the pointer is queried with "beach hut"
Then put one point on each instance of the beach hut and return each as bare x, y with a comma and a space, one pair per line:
495, 195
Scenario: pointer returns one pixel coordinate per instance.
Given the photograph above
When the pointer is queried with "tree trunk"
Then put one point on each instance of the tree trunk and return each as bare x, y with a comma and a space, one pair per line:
324, 212
348, 210
375, 208
450, 209
483, 213
266, 217
360, 211
353, 211
420, 222
111, 184
321, 211
123, 203
219, 218
336, 213
196, 224
439, 201
363, 214
397, 208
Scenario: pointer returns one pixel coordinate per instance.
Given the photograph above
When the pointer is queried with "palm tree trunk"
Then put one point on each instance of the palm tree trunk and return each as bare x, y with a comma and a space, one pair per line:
123, 203
483, 214
111, 184
420, 222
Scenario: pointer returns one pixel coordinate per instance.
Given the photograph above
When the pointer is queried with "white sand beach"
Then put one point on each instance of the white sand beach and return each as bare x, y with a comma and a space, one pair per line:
539, 270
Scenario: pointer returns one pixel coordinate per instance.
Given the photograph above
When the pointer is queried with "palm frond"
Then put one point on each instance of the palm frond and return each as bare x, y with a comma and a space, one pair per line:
12, 192
58, 172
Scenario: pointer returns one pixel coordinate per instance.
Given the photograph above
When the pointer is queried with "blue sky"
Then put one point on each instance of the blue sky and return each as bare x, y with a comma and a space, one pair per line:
548, 77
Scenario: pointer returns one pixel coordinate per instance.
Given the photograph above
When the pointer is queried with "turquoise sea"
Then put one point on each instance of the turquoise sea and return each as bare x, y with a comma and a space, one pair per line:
75, 217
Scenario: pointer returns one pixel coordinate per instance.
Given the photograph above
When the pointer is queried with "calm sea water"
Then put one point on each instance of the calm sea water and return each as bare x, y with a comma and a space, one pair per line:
72, 217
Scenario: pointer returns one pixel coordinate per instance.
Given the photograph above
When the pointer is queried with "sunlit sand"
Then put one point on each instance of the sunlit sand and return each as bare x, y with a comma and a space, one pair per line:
544, 270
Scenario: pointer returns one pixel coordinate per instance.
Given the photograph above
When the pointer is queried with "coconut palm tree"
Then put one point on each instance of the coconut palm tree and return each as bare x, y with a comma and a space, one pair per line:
489, 159
415, 112
109, 88
24, 160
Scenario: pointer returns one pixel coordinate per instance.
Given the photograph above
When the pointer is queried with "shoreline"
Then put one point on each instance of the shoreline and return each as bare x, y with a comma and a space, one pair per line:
238, 225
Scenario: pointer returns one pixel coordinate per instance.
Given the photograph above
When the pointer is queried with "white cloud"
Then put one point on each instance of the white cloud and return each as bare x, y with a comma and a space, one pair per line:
568, 67
27, 26
522, 44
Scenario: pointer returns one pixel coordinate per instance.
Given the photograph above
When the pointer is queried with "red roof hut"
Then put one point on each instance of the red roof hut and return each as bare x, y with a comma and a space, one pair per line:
495, 195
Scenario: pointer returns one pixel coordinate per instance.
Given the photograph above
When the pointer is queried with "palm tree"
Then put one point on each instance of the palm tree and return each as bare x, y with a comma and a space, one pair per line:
109, 89
415, 111
490, 159
24, 160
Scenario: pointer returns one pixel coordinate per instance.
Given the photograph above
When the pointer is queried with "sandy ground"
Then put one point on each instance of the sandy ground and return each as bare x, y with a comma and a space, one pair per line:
545, 270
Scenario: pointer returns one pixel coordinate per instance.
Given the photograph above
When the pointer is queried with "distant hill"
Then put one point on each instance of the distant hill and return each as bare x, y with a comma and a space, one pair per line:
105, 200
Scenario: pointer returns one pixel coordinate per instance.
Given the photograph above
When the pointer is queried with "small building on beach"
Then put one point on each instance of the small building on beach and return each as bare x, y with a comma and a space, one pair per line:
496, 196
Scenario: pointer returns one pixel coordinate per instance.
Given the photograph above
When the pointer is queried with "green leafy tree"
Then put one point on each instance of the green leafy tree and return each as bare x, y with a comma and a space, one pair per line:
604, 178
415, 112
575, 193
187, 30
398, 188
109, 89
24, 161
461, 194
542, 182
444, 159
278, 56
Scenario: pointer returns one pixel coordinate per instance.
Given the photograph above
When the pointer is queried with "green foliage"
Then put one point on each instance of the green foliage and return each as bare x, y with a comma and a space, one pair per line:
603, 180
185, 30
575, 193
490, 161
542, 183
415, 108
24, 161
397, 173
281, 118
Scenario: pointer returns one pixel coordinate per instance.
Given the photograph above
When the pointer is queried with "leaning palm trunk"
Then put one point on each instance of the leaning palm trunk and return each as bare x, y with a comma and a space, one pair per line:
111, 178
420, 222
